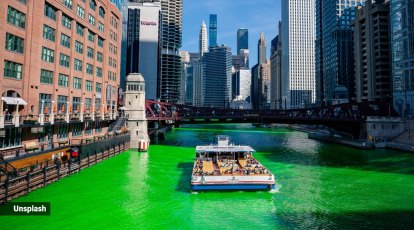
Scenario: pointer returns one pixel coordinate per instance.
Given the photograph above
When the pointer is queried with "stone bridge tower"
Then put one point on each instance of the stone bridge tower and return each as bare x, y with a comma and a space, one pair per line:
135, 110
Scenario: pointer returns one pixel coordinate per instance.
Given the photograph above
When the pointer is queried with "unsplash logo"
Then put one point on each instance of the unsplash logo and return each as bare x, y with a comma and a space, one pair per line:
25, 209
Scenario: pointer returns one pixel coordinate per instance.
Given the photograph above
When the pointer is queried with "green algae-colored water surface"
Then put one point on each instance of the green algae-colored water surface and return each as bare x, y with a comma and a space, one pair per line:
320, 186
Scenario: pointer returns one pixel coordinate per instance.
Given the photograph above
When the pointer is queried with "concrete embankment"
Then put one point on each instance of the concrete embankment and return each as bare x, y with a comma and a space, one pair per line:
340, 140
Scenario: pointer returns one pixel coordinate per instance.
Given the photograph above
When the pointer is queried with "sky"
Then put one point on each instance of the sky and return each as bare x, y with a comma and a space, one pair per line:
255, 15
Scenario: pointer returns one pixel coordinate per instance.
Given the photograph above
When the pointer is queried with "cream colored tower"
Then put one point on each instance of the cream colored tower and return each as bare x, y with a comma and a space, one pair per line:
135, 109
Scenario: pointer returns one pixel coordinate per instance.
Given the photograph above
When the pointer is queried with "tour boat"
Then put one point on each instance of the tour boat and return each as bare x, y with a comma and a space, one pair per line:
225, 166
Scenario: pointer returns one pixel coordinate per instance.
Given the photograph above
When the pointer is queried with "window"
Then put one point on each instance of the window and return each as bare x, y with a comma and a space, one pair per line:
101, 12
16, 18
80, 12
47, 103
97, 104
78, 65
98, 72
65, 40
98, 88
23, 1
89, 68
88, 103
92, 4
91, 36
64, 60
66, 21
88, 127
100, 41
12, 70
91, 19
99, 57
76, 130
79, 29
62, 103
76, 102
48, 33
101, 27
14, 43
68, 3
63, 131
46, 76
63, 80
50, 11
90, 52
98, 126
79, 47
88, 86
77, 83
12, 137
48, 55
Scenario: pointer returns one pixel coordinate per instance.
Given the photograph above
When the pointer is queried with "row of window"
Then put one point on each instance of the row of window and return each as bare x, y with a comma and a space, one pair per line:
47, 76
62, 103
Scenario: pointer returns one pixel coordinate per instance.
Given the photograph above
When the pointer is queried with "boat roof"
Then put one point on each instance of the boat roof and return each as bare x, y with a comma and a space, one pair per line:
229, 148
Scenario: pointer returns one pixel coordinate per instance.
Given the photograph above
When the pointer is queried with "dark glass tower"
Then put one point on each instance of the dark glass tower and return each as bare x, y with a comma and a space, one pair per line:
242, 40
212, 35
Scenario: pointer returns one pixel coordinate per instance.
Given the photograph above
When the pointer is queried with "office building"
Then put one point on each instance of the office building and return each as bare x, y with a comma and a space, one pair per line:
61, 72
242, 40
298, 52
242, 85
372, 52
261, 49
335, 51
212, 31
203, 46
143, 44
402, 37
217, 77
276, 72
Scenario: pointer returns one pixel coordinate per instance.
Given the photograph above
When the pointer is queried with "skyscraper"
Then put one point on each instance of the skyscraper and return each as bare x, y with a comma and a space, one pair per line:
143, 44
334, 50
261, 49
217, 77
276, 71
242, 40
203, 46
372, 52
118, 3
402, 37
212, 33
171, 42
298, 52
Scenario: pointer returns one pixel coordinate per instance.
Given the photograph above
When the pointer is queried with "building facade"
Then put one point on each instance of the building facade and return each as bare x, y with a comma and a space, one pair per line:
203, 45
61, 71
212, 31
242, 40
261, 49
372, 52
402, 37
171, 42
143, 44
217, 77
334, 49
242, 85
276, 72
298, 52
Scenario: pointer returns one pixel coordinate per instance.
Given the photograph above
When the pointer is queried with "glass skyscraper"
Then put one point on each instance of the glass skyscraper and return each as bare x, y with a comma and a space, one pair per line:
212, 35
242, 40
402, 39
334, 50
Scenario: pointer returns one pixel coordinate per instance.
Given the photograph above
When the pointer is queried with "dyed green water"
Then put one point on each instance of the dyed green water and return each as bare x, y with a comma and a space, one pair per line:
320, 186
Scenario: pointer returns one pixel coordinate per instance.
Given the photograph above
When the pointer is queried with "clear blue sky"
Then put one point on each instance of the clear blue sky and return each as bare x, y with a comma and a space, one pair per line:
255, 15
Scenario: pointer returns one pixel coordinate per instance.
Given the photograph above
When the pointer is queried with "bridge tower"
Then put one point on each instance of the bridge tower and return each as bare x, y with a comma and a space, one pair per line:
135, 111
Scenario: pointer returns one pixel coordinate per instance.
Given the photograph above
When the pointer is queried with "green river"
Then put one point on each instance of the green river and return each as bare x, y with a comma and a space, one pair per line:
319, 186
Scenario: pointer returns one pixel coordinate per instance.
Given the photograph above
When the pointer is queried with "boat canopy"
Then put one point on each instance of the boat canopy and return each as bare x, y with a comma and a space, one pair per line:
223, 149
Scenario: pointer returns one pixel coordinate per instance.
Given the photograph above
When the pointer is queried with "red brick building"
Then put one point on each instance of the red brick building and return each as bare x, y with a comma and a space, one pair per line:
59, 67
